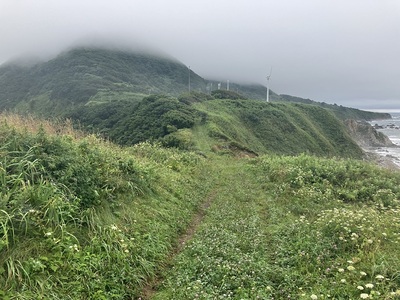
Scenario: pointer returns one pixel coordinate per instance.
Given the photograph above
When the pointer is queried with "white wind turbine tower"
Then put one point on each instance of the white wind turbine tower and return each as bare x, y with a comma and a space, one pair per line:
268, 77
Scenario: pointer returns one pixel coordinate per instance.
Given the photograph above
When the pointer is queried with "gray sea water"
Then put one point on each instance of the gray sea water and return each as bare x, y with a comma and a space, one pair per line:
391, 128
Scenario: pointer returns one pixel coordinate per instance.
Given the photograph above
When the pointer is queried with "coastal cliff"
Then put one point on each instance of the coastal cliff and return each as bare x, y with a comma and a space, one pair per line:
366, 135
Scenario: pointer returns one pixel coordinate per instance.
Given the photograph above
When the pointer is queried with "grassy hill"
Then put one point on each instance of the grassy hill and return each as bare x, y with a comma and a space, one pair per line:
89, 76
94, 75
280, 128
105, 90
81, 218
86, 74
225, 125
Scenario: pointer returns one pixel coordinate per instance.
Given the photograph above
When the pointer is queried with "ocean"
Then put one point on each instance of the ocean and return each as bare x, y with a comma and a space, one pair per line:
391, 128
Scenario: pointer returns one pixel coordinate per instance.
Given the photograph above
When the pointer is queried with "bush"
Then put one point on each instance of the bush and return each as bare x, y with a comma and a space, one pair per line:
149, 120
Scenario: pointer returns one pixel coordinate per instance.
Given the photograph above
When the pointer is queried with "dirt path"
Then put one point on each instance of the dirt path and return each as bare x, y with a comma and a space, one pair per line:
150, 289
195, 222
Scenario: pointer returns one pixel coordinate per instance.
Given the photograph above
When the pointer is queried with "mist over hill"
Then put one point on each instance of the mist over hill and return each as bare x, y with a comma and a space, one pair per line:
84, 74
94, 74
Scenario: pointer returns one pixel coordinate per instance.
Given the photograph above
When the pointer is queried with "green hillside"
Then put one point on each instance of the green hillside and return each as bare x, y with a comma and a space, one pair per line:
178, 195
85, 74
224, 125
261, 127
81, 218
88, 76
94, 75
105, 91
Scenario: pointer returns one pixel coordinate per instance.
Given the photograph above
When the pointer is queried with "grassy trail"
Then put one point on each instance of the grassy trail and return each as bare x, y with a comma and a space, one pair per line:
227, 253
149, 289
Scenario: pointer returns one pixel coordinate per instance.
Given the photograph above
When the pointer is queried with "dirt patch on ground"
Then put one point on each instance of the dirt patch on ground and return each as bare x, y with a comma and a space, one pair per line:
234, 150
194, 224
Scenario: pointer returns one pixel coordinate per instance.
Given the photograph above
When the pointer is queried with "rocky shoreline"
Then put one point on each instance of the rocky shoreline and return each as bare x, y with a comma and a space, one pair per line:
386, 161
374, 143
388, 126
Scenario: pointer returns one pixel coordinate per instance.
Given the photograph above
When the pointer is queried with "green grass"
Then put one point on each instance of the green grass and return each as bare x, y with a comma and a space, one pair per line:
84, 219
226, 257
81, 218
280, 228
287, 129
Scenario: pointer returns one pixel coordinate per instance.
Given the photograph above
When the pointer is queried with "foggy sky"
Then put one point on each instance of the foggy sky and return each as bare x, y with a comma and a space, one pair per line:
337, 51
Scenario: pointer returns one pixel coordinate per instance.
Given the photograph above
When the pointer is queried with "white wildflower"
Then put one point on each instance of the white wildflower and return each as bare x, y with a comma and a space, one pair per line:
351, 268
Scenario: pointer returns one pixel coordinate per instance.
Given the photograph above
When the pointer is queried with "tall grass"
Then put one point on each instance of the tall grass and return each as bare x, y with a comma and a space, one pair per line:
81, 218
32, 124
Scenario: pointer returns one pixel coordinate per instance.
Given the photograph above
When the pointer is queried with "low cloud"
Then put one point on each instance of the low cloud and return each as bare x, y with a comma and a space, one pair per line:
332, 51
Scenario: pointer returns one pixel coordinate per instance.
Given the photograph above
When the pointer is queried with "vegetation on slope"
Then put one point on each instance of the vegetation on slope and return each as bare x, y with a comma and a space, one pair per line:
86, 74
277, 128
83, 219
150, 119
294, 228
253, 126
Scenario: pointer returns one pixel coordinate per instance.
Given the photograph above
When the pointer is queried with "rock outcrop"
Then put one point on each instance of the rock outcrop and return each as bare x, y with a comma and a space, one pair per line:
366, 135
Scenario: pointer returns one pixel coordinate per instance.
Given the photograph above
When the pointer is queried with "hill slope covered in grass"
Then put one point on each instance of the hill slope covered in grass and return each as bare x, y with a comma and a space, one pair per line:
85, 219
277, 128
91, 74
97, 75
81, 218
228, 124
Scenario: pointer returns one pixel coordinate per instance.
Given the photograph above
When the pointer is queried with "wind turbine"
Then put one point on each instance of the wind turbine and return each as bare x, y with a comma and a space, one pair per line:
268, 77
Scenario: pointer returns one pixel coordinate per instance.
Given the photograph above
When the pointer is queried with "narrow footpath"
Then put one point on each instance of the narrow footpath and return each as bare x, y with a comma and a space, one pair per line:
223, 250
